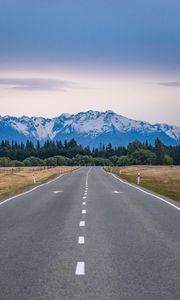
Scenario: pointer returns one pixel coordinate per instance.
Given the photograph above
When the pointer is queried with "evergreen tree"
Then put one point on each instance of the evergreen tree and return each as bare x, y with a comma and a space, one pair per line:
159, 151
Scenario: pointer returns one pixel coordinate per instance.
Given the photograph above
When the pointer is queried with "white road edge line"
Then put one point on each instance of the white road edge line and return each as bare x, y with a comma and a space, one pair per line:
74, 171
33, 189
82, 223
81, 240
29, 191
80, 268
145, 192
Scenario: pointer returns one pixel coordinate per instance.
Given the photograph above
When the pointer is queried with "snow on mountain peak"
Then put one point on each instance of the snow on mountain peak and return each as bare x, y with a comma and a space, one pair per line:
19, 126
90, 124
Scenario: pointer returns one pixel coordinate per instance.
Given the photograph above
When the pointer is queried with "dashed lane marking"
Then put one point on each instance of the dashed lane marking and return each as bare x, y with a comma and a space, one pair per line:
80, 268
81, 240
87, 175
83, 211
82, 223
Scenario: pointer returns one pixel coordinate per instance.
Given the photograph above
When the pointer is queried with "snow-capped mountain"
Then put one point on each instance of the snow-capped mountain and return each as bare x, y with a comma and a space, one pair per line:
88, 128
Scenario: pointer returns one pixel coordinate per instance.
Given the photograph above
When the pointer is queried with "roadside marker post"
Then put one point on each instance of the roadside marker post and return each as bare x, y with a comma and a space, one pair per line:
138, 178
34, 178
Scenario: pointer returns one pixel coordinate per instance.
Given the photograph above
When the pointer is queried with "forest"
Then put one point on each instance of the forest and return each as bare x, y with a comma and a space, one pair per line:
13, 154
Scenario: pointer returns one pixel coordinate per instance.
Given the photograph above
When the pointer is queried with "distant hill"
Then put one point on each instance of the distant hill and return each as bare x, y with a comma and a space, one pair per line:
88, 128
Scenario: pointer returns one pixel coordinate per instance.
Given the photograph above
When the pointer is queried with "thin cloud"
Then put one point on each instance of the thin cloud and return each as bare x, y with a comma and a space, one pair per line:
35, 84
170, 84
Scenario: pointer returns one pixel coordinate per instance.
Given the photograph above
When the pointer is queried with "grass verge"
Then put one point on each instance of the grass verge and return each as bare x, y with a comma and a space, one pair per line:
17, 180
164, 180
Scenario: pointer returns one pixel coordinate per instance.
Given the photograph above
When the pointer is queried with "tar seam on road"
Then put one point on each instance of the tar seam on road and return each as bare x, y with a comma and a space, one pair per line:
145, 192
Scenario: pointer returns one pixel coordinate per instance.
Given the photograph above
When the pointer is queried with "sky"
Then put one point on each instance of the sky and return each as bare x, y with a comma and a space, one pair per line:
66, 56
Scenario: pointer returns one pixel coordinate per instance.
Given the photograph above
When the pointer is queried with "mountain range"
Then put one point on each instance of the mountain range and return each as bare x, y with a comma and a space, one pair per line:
87, 128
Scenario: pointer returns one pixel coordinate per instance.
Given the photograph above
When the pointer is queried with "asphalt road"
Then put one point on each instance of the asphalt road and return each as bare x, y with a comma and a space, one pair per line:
127, 247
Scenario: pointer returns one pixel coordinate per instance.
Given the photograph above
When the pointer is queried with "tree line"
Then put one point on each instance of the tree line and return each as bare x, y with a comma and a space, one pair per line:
57, 153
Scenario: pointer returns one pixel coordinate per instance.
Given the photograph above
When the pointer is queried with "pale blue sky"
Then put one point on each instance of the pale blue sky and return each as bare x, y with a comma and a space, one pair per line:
69, 51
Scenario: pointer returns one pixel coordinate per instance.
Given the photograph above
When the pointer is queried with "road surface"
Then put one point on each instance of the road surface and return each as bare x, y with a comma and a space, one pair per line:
87, 235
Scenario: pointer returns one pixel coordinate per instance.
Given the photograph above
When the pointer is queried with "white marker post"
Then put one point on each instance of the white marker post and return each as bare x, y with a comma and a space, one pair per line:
138, 178
120, 171
34, 178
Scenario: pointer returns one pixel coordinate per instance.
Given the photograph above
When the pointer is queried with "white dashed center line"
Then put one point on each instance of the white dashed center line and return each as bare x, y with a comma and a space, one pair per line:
82, 223
81, 240
80, 268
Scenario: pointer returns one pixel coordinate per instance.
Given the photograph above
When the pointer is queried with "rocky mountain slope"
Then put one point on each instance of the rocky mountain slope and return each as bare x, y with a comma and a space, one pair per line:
88, 128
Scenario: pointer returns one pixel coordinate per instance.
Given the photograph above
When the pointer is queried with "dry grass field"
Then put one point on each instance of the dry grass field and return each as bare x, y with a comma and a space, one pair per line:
164, 180
15, 180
